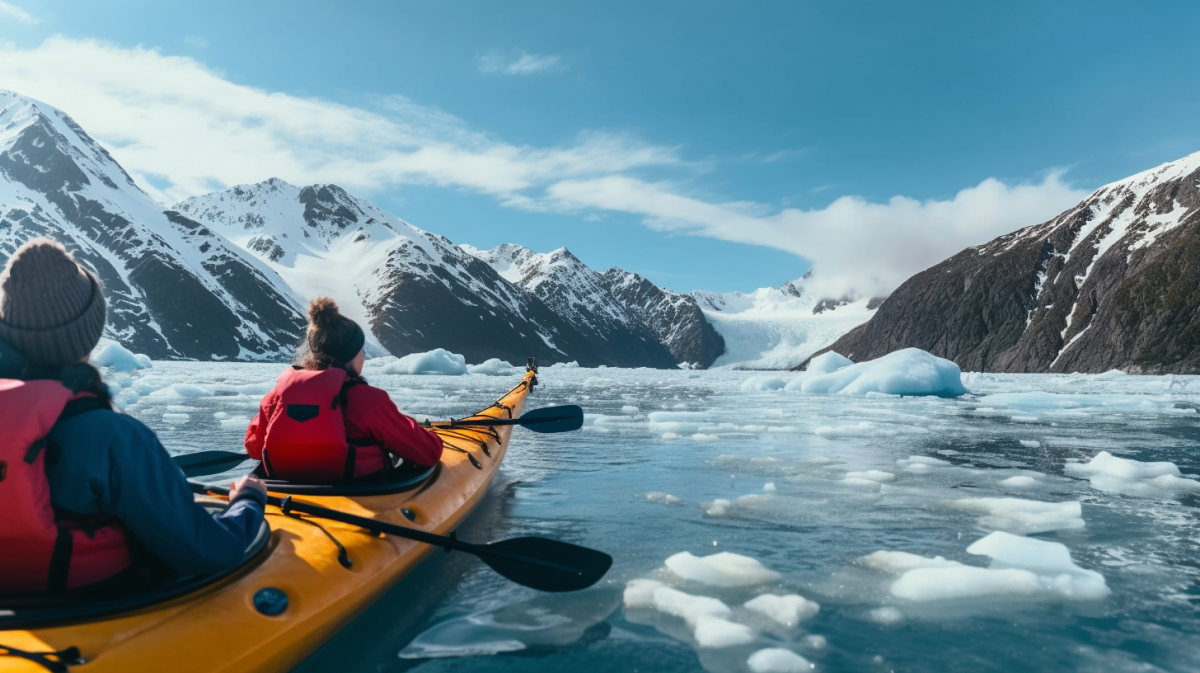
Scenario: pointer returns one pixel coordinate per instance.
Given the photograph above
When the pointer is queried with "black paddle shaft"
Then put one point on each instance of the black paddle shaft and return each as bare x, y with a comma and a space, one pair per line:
539, 563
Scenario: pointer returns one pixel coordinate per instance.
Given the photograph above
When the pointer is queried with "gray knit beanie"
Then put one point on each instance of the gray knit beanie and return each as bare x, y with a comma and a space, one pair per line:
51, 309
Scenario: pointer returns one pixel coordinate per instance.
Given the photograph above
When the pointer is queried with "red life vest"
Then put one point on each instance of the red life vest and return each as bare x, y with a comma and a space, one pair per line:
40, 551
305, 440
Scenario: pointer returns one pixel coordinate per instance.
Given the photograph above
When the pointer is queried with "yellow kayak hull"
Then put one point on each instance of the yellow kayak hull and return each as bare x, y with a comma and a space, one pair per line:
218, 627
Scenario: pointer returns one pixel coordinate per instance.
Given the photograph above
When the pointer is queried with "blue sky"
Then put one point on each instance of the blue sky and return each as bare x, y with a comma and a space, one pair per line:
705, 145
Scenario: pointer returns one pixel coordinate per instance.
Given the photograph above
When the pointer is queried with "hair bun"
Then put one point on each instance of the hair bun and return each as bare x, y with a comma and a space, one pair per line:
322, 312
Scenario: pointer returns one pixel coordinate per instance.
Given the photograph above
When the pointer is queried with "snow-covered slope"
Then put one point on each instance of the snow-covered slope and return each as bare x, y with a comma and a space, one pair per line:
580, 295
416, 290
174, 288
778, 328
1113, 283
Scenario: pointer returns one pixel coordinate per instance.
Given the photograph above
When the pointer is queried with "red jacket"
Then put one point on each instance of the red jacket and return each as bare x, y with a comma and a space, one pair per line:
369, 414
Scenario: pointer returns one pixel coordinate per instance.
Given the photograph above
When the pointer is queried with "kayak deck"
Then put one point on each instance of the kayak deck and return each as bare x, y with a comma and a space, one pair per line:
219, 629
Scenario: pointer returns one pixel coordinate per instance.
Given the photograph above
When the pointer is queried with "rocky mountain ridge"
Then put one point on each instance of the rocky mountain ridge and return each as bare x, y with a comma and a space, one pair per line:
1113, 283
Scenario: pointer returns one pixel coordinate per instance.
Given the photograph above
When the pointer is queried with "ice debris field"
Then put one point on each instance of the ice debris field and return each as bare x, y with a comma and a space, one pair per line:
887, 515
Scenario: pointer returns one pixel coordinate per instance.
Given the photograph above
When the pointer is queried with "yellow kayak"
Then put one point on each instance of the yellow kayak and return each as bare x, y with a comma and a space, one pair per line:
293, 595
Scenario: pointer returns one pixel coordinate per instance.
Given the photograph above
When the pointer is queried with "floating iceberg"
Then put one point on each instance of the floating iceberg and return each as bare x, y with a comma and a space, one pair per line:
910, 371
722, 570
827, 363
1021, 568
438, 361
493, 367
121, 359
1023, 516
1133, 477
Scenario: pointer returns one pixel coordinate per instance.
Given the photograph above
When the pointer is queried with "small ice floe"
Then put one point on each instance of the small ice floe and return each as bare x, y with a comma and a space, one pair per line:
1031, 443
910, 371
1023, 516
727, 604
1132, 477
763, 383
922, 463
1060, 404
878, 476
121, 359
1021, 569
678, 422
719, 507
670, 435
185, 390
886, 615
662, 498
724, 569
769, 487
629, 409
778, 660
235, 423
493, 367
1020, 481
786, 611
438, 362
702, 437
175, 418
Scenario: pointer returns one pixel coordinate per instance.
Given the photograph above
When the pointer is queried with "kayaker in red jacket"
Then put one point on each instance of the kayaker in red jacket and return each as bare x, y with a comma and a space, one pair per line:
322, 422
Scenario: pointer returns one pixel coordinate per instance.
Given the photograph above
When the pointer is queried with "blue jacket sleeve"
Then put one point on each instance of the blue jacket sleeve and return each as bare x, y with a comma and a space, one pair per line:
131, 476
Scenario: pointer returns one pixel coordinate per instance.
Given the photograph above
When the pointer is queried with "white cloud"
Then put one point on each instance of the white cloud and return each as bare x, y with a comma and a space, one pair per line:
495, 63
855, 245
174, 120
16, 14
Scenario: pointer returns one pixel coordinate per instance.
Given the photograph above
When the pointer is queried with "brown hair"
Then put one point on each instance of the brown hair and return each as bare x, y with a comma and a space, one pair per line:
332, 340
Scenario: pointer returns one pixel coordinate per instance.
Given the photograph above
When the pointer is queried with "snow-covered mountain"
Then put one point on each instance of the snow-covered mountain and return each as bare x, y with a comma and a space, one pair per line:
416, 290
778, 328
174, 288
1113, 283
676, 318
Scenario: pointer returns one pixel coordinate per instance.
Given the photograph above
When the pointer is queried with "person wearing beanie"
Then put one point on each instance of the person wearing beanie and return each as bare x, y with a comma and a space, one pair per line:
107, 466
352, 427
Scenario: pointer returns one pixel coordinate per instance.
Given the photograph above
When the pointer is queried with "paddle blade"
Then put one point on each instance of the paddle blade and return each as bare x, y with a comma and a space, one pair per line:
553, 419
546, 565
203, 463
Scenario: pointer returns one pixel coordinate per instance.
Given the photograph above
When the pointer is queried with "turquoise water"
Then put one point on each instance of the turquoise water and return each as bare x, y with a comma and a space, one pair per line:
712, 462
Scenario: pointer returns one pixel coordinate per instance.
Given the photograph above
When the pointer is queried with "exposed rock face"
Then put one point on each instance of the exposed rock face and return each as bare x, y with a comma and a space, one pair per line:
174, 288
676, 319
418, 291
1113, 283
579, 295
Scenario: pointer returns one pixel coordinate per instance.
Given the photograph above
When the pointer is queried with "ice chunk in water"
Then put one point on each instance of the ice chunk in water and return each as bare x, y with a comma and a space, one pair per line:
662, 498
438, 361
1023, 516
778, 660
900, 562
827, 363
716, 632
118, 357
725, 569
873, 475
787, 610
1021, 567
910, 371
763, 383
492, 367
1123, 475
1020, 481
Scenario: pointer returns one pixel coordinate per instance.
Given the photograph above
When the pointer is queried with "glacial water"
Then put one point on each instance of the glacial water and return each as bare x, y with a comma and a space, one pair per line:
799, 492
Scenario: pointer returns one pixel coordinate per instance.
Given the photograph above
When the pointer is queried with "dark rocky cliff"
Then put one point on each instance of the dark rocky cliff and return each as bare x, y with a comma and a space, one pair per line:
1113, 283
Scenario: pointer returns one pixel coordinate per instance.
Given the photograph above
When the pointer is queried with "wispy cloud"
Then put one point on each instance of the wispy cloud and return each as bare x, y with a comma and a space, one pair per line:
181, 129
855, 245
497, 63
196, 41
15, 13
